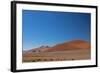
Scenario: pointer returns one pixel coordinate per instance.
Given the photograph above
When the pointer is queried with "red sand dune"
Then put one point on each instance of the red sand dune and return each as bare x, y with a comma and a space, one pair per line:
71, 50
71, 45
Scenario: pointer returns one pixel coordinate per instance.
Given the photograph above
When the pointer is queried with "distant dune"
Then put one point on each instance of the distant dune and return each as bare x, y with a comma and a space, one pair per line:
71, 45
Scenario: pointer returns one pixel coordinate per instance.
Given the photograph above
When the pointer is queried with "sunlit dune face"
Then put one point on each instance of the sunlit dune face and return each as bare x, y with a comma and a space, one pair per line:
72, 45
80, 44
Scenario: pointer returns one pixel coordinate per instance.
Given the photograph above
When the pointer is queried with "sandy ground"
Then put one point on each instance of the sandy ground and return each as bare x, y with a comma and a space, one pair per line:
81, 54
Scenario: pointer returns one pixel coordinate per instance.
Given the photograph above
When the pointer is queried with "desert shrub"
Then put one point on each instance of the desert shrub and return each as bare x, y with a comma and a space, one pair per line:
45, 59
33, 60
73, 59
51, 59
39, 50
33, 51
39, 60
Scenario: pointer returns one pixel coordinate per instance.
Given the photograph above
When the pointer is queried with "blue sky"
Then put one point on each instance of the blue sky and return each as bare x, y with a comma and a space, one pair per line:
49, 27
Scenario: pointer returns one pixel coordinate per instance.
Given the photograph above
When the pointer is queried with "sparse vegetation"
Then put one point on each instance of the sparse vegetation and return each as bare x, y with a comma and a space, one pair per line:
58, 56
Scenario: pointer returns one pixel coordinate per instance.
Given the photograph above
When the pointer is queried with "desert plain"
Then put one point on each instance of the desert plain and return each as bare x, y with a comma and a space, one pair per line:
71, 50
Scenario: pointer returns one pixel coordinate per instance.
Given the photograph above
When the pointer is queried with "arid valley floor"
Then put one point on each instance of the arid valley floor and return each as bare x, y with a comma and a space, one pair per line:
58, 56
74, 50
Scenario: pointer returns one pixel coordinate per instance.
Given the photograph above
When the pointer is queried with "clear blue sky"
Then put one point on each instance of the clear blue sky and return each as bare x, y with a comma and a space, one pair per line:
49, 27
